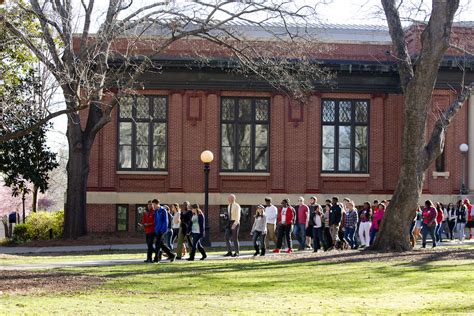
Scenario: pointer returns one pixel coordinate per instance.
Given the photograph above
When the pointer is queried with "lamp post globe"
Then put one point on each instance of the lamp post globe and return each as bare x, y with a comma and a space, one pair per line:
464, 148
207, 156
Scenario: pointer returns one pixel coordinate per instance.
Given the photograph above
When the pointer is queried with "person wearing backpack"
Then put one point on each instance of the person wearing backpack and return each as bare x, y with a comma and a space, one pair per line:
285, 221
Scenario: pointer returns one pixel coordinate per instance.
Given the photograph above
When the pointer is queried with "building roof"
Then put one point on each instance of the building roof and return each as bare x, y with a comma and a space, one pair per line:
334, 33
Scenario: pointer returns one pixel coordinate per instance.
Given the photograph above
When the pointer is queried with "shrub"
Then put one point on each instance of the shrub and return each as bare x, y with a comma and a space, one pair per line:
21, 233
41, 222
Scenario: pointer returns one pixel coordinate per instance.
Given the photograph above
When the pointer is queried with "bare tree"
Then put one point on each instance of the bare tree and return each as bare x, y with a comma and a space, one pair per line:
418, 78
81, 63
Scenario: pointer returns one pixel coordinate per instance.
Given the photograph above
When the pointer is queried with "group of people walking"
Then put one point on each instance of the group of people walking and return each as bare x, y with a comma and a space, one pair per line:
332, 225
164, 225
436, 220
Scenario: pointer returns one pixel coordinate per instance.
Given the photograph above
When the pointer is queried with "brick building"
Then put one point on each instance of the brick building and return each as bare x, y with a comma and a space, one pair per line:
345, 141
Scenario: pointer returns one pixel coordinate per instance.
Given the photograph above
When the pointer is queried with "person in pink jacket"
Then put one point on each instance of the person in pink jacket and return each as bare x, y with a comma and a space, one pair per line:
377, 219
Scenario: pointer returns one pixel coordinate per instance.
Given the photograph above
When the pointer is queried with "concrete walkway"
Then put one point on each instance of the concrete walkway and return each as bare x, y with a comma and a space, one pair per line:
116, 262
67, 249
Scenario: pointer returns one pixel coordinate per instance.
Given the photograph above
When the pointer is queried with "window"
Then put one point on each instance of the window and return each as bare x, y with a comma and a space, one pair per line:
140, 210
439, 163
246, 219
142, 133
122, 218
345, 125
244, 134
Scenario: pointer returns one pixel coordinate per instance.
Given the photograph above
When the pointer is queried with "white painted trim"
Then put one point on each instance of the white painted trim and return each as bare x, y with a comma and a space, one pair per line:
437, 175
345, 175
245, 174
161, 173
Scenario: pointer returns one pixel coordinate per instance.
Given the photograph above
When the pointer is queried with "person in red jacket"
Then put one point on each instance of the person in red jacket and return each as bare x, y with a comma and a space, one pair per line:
285, 221
470, 216
439, 222
148, 222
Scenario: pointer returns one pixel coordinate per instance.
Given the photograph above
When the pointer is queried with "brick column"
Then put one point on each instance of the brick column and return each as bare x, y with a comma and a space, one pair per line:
277, 143
175, 142
313, 143
376, 128
212, 109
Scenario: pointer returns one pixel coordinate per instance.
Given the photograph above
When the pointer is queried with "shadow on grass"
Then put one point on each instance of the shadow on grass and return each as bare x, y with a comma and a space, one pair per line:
417, 259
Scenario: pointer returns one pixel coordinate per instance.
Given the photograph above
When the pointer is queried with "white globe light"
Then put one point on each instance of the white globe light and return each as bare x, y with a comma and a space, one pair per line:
463, 148
207, 156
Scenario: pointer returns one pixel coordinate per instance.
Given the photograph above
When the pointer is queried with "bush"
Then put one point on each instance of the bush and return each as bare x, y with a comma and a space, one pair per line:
41, 222
21, 233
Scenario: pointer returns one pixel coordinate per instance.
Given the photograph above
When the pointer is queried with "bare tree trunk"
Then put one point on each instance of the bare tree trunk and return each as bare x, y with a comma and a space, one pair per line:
80, 144
417, 82
75, 224
35, 199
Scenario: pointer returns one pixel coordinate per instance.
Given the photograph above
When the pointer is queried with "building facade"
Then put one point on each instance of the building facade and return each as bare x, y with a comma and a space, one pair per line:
344, 141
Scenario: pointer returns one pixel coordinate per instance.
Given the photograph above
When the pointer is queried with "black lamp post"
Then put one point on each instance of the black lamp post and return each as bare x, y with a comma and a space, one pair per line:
206, 157
463, 148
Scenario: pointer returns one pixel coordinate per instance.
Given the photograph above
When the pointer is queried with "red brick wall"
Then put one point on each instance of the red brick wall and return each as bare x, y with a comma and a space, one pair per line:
101, 218
295, 154
294, 149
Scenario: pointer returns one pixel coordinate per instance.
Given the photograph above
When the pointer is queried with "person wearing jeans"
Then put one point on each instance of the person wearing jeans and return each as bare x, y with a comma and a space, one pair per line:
197, 231
429, 223
365, 217
286, 214
461, 219
302, 220
439, 222
350, 225
451, 220
259, 231
161, 228
376, 221
233, 227
318, 220
148, 222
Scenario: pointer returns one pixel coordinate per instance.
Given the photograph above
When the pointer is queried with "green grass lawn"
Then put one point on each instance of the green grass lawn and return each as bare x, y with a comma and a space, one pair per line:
295, 285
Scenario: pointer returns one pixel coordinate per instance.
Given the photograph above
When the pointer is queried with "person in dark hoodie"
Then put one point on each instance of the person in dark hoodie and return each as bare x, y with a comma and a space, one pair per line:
197, 230
161, 228
184, 230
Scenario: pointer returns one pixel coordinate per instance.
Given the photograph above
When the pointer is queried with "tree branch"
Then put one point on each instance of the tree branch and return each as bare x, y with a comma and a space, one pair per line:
397, 34
435, 145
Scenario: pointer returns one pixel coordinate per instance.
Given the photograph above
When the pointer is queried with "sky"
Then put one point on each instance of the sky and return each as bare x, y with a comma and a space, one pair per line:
334, 12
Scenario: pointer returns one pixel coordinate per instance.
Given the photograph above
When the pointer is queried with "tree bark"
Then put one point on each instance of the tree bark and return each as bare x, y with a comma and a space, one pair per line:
35, 199
80, 145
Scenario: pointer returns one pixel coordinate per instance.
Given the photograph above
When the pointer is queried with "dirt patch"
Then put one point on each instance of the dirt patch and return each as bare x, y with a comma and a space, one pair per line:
28, 282
89, 240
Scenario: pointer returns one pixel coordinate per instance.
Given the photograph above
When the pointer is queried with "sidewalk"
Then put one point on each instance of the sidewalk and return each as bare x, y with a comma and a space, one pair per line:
66, 249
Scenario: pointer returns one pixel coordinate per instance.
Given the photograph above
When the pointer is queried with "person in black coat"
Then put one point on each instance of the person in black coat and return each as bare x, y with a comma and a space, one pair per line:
184, 230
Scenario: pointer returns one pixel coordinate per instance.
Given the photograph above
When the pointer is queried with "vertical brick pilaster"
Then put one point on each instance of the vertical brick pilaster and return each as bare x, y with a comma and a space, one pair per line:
376, 143
175, 142
212, 110
313, 141
277, 143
